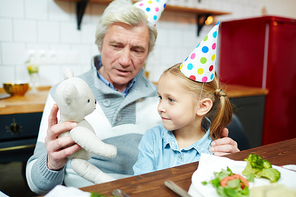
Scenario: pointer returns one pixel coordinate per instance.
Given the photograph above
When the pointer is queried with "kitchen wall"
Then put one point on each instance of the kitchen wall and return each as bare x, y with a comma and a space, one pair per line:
46, 31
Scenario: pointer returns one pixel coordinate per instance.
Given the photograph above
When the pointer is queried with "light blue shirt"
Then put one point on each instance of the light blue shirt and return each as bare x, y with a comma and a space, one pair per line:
125, 91
159, 149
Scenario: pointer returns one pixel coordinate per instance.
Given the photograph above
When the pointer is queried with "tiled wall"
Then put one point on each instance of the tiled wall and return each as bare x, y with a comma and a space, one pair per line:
50, 26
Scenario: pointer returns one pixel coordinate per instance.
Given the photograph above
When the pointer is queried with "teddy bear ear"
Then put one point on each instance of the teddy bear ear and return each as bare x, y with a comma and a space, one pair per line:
68, 73
70, 93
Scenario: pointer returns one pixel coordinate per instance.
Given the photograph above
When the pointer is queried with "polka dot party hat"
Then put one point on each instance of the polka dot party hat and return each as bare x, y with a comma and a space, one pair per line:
200, 64
152, 8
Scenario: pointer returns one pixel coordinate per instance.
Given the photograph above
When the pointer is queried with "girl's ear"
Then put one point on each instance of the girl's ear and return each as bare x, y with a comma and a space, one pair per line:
204, 106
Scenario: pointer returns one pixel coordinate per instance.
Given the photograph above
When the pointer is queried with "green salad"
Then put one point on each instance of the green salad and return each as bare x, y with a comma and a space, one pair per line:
235, 185
229, 184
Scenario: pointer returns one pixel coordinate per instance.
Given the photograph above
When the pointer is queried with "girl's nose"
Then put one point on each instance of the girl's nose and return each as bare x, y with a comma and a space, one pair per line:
160, 108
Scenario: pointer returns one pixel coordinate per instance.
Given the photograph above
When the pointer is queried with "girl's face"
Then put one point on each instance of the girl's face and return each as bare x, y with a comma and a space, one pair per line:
176, 107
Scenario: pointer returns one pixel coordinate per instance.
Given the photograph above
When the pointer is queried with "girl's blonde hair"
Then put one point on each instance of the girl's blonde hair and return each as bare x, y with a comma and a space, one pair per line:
212, 90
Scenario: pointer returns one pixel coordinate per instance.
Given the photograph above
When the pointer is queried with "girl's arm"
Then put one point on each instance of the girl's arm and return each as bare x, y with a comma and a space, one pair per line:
146, 158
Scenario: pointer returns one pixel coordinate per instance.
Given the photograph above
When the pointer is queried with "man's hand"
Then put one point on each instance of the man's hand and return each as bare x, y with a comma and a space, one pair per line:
58, 149
224, 145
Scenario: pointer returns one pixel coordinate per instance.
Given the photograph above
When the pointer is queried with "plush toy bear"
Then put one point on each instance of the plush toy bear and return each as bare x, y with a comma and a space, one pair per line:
75, 100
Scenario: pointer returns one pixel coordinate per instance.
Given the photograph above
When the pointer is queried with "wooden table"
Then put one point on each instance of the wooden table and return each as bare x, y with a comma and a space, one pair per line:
152, 184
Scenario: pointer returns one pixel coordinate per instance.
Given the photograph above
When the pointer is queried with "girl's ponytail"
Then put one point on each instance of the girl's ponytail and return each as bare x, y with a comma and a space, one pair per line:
223, 114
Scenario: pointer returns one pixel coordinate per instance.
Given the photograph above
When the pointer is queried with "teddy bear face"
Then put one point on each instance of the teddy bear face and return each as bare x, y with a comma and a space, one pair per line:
75, 99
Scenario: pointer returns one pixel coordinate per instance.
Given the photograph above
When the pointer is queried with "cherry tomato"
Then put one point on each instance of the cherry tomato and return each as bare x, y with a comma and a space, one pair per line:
225, 180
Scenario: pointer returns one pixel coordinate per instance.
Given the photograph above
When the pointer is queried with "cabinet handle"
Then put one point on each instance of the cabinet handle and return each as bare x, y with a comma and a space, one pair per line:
14, 128
17, 147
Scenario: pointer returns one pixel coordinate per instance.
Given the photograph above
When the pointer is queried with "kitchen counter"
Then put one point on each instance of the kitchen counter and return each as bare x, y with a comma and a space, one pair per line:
234, 91
30, 103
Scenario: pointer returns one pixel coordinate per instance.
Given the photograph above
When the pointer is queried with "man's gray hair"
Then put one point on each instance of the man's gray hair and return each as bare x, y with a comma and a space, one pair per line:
123, 11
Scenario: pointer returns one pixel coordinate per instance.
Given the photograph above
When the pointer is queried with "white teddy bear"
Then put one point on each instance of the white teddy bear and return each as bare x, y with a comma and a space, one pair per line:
75, 100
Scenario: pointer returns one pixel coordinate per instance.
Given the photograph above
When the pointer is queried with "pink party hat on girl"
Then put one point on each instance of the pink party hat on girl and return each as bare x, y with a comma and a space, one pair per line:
152, 8
200, 64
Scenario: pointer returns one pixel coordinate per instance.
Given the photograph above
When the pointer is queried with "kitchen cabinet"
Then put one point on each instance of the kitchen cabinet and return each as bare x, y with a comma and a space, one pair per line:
18, 136
19, 125
248, 105
201, 14
260, 52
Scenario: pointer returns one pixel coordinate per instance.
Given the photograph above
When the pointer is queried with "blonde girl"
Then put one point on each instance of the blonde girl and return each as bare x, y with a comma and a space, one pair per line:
187, 130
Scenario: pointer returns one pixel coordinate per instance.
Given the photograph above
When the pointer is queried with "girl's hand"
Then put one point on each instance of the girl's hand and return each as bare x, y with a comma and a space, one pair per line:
224, 145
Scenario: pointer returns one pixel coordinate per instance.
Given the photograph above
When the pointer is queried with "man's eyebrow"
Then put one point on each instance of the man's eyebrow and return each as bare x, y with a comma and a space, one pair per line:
133, 47
114, 42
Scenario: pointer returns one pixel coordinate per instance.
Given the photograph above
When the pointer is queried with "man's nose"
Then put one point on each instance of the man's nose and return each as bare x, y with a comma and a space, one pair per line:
125, 58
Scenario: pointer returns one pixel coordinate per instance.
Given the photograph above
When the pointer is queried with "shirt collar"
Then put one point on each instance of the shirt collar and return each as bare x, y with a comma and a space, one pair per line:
201, 145
125, 91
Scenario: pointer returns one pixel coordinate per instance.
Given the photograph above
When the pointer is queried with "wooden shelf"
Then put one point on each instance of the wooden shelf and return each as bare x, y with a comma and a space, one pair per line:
170, 8
201, 14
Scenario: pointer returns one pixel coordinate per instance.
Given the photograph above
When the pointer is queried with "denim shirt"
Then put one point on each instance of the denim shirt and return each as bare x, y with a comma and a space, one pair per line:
159, 149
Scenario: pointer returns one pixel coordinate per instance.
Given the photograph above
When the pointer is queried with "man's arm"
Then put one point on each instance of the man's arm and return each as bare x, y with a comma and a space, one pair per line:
224, 145
39, 178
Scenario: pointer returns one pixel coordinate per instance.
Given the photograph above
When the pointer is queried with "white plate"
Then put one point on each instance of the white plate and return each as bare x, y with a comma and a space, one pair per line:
205, 173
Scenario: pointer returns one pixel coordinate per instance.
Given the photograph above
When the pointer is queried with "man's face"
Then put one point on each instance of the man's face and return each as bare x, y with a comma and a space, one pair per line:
123, 53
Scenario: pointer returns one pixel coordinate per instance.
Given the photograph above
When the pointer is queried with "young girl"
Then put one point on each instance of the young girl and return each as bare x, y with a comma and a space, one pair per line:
184, 104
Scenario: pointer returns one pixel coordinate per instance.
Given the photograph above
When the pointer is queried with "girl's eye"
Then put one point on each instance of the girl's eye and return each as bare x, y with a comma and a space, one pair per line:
171, 100
160, 97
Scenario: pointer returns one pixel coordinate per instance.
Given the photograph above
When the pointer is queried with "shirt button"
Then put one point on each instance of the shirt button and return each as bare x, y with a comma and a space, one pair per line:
118, 118
106, 102
180, 157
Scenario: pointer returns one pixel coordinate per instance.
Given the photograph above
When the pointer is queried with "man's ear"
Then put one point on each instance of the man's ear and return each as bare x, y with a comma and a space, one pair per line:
204, 106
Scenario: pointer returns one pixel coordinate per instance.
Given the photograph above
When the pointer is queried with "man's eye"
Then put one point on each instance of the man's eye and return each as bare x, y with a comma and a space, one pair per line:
160, 97
117, 46
138, 51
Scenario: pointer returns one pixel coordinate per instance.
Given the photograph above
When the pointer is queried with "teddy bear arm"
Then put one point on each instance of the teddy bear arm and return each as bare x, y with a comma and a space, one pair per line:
88, 140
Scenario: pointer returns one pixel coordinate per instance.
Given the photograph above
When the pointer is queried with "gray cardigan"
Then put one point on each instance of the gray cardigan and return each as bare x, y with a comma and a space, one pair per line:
120, 111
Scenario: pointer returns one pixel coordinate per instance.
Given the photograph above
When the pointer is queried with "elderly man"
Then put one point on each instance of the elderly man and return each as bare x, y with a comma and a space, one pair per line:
126, 108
